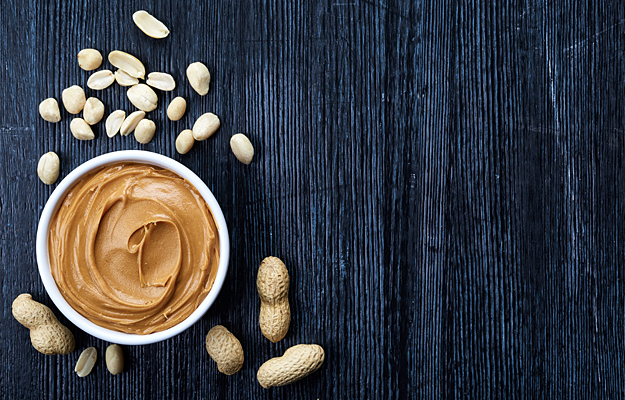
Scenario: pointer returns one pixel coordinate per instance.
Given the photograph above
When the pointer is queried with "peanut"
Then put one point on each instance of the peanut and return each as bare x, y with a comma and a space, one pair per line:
86, 361
131, 122
101, 80
205, 126
89, 59
199, 77
161, 81
176, 108
47, 335
128, 63
48, 168
242, 148
144, 132
114, 122
225, 349
81, 129
73, 99
93, 111
185, 141
123, 79
49, 110
115, 359
143, 97
150, 25
297, 362
273, 289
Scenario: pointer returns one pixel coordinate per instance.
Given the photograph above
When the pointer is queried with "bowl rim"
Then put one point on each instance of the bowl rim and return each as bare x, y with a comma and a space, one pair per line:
54, 201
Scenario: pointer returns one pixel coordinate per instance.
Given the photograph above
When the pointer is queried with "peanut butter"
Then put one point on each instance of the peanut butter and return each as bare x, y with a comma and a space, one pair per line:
134, 248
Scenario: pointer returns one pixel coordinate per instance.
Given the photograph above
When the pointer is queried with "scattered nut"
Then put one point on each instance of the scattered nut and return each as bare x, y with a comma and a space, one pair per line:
176, 108
225, 349
242, 148
185, 141
48, 168
114, 122
86, 361
297, 362
205, 126
123, 79
81, 129
199, 77
93, 111
47, 335
150, 25
115, 359
73, 99
131, 122
161, 81
144, 132
143, 97
128, 63
101, 80
49, 110
89, 59
273, 289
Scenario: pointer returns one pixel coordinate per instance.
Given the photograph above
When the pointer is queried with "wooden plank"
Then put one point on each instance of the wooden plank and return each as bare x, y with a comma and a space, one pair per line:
441, 178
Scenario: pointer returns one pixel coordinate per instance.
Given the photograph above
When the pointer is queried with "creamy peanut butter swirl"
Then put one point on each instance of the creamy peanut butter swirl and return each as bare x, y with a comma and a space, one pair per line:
134, 248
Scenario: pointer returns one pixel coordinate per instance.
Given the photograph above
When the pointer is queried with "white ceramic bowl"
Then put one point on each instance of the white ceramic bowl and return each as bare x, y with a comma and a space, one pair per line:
52, 205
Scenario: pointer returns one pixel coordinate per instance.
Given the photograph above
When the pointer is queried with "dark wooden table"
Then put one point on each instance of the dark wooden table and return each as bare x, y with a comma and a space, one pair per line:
444, 180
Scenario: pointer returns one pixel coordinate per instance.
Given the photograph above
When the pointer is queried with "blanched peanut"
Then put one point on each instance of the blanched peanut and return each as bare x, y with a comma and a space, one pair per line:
115, 359
93, 111
86, 361
74, 99
205, 126
100, 80
81, 129
199, 77
48, 168
49, 110
128, 63
242, 148
89, 59
144, 132
143, 97
176, 108
123, 79
114, 122
185, 141
161, 81
150, 25
131, 122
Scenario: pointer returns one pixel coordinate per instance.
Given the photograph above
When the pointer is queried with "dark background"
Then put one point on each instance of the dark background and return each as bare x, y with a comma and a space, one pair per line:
443, 179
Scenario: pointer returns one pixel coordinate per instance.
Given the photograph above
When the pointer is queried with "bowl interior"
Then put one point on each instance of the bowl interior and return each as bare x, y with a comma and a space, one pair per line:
135, 156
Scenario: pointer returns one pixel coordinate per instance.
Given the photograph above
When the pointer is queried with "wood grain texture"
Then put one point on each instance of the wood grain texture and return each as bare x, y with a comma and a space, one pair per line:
441, 178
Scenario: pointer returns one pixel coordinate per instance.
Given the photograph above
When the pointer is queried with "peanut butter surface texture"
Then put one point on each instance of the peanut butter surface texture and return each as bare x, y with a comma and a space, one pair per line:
134, 248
